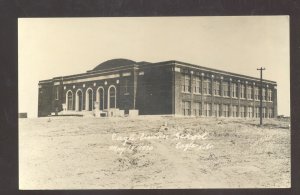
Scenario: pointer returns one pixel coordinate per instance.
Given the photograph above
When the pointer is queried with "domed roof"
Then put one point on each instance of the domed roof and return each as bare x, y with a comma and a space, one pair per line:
114, 63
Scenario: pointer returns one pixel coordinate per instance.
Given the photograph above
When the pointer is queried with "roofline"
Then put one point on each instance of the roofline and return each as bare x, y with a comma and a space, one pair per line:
46, 81
169, 62
175, 62
80, 75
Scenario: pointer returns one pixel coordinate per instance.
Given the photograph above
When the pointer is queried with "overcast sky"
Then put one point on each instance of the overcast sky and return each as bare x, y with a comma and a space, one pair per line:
50, 47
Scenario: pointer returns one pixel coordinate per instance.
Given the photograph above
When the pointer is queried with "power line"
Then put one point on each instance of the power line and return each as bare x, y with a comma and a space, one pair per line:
260, 108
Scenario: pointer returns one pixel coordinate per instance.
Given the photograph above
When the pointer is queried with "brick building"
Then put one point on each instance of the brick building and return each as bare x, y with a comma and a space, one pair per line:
164, 88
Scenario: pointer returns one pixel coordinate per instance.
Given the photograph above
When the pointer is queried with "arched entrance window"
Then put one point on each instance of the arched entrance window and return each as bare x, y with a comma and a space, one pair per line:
112, 100
79, 100
89, 99
69, 100
100, 97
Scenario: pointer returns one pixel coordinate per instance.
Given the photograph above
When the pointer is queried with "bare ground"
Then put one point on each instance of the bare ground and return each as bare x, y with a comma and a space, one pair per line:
74, 153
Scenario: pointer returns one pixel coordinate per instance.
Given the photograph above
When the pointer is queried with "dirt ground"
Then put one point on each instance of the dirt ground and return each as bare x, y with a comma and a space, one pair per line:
153, 152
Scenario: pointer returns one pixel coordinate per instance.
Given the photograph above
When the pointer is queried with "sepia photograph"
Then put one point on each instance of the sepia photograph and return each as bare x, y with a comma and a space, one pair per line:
154, 102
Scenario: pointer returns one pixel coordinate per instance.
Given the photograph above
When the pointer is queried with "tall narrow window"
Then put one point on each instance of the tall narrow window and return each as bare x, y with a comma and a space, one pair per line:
112, 97
197, 109
217, 110
207, 109
186, 108
257, 114
70, 100
186, 83
197, 84
234, 90
264, 94
269, 95
225, 89
270, 113
256, 93
234, 111
242, 111
78, 100
250, 111
249, 92
217, 88
264, 114
57, 93
225, 110
100, 98
89, 100
207, 86
126, 85
242, 91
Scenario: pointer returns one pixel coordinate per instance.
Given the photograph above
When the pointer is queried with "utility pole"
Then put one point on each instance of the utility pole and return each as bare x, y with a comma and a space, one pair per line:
260, 108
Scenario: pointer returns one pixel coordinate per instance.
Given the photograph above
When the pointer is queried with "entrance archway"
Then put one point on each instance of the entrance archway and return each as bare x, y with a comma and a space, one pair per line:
69, 100
112, 97
79, 100
89, 99
100, 97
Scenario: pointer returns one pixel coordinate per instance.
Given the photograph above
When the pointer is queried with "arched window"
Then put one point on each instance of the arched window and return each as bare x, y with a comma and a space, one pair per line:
69, 100
79, 100
100, 97
112, 100
89, 99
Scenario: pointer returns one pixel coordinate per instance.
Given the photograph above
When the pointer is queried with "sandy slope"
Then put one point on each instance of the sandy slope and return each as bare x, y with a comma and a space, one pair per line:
75, 153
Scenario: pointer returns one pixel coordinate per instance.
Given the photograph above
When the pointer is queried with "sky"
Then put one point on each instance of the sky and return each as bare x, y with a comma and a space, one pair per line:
50, 47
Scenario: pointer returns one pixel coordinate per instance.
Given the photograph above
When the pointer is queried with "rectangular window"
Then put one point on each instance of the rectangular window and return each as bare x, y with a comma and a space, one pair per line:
207, 109
217, 110
250, 111
257, 114
197, 84
126, 74
126, 85
226, 110
264, 94
197, 109
249, 92
242, 91
264, 114
270, 113
256, 93
186, 83
225, 89
242, 111
207, 86
217, 88
269, 95
186, 108
234, 90
57, 93
234, 111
